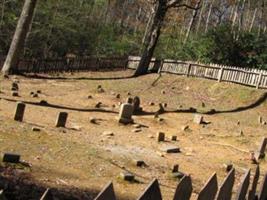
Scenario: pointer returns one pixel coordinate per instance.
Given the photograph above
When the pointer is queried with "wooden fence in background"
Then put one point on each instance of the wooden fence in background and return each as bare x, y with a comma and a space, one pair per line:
71, 64
250, 77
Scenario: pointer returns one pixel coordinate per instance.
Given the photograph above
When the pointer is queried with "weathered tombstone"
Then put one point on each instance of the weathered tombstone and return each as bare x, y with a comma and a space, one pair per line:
171, 149
175, 168
47, 195
15, 94
243, 187
252, 191
208, 192
61, 119
174, 138
19, 113
127, 176
161, 137
136, 105
198, 119
260, 119
152, 192
225, 191
126, 112
129, 100
107, 193
184, 189
14, 86
11, 158
261, 152
263, 190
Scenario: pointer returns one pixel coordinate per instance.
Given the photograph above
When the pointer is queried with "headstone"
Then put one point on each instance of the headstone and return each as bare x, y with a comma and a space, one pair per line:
126, 112
11, 158
243, 187
98, 105
198, 119
140, 163
19, 113
152, 192
129, 100
184, 189
175, 168
261, 152
118, 96
38, 91
127, 176
15, 94
36, 129
252, 191
61, 119
263, 190
225, 191
260, 119
228, 166
161, 137
171, 149
47, 195
208, 192
136, 105
35, 95
14, 86
174, 138
107, 193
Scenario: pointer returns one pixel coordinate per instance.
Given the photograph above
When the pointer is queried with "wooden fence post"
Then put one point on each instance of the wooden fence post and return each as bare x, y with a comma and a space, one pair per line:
220, 74
189, 69
259, 81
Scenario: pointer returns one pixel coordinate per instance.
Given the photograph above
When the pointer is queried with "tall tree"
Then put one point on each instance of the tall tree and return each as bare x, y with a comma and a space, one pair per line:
160, 10
19, 37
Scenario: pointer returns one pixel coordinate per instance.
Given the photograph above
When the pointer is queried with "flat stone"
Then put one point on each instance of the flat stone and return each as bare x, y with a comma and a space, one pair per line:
137, 126
36, 129
127, 176
137, 130
139, 163
175, 168
171, 149
108, 133
11, 158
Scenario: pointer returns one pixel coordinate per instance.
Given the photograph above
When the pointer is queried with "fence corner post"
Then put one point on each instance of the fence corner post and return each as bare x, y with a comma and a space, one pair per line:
259, 81
220, 75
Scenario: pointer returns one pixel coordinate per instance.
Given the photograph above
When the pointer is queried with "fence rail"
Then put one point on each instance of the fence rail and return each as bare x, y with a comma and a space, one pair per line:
68, 64
250, 77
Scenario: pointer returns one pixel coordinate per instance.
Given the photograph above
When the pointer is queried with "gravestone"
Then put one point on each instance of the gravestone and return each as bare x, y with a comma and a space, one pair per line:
107, 193
175, 168
261, 152
184, 189
19, 112
15, 94
243, 187
127, 176
14, 86
161, 137
152, 192
11, 158
208, 192
126, 112
198, 119
174, 138
61, 119
129, 100
225, 191
136, 105
171, 149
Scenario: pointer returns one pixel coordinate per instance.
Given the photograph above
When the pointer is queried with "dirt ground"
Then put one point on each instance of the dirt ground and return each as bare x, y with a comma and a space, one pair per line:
81, 156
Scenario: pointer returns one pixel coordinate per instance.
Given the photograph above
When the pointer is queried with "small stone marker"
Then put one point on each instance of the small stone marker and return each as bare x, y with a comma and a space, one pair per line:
161, 137
127, 176
126, 112
36, 129
261, 152
185, 128
172, 149
15, 94
62, 119
11, 158
136, 105
14, 86
228, 166
175, 168
98, 105
129, 100
19, 113
38, 91
140, 163
174, 138
35, 95
118, 96
198, 119
151, 103
108, 133
89, 97
107, 193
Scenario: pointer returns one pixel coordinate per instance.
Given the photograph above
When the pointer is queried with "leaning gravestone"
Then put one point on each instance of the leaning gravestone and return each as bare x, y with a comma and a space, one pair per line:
152, 192
107, 193
61, 119
19, 112
126, 112
136, 105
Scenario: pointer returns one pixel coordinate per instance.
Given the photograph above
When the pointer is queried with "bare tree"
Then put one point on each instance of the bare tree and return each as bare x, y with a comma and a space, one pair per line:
19, 37
160, 10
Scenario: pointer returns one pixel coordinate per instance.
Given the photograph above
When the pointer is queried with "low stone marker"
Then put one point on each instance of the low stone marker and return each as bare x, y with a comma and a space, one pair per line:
136, 105
172, 149
15, 94
129, 100
19, 112
174, 138
161, 137
198, 119
175, 168
14, 86
127, 176
126, 112
61, 119
11, 158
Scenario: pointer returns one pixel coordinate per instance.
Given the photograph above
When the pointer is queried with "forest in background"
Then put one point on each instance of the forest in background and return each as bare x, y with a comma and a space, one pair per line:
229, 32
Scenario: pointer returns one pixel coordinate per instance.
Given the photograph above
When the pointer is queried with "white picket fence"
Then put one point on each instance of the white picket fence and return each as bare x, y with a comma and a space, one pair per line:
250, 77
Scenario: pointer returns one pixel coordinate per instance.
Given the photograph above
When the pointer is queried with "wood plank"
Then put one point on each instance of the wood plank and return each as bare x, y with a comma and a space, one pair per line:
184, 189
243, 187
209, 191
152, 192
107, 193
225, 191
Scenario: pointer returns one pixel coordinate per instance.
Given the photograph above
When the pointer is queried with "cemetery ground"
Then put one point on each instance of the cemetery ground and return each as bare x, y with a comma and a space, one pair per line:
94, 148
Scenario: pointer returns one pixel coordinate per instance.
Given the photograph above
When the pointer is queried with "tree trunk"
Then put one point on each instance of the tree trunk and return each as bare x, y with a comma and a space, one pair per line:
19, 37
152, 37
208, 17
